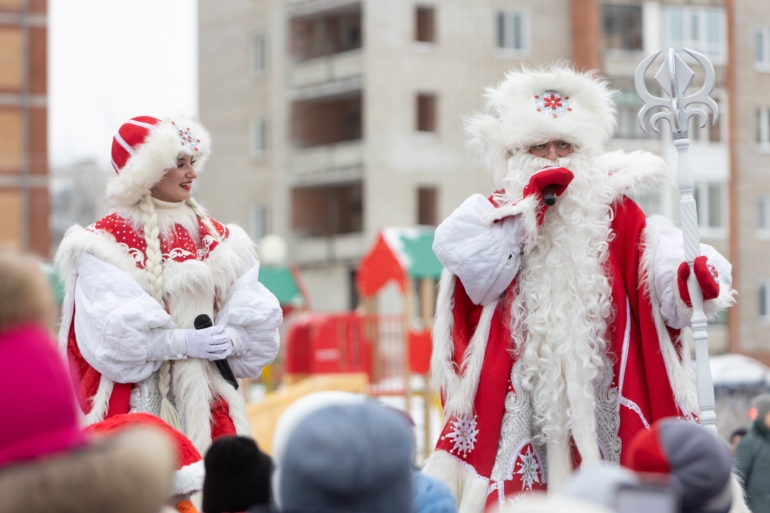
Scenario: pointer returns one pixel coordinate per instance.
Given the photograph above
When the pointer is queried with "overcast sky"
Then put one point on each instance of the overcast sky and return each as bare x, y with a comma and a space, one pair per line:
111, 60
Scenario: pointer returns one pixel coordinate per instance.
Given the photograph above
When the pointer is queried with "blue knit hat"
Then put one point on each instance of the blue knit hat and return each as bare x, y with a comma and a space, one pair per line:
432, 496
348, 458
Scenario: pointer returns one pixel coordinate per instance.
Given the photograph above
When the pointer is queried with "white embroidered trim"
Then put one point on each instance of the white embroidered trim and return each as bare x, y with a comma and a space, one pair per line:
628, 403
134, 253
624, 357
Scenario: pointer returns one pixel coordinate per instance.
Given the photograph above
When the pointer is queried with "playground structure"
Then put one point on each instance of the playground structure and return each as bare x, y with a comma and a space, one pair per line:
382, 355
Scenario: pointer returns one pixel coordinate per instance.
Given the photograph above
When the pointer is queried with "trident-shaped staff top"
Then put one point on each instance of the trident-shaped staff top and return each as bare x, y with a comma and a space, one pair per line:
674, 78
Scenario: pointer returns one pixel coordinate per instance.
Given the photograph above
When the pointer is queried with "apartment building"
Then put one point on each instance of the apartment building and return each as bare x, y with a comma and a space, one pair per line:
24, 203
751, 170
333, 118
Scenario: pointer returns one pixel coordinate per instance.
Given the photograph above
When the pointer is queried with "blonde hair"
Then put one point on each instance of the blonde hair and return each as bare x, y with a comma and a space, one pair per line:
154, 268
25, 296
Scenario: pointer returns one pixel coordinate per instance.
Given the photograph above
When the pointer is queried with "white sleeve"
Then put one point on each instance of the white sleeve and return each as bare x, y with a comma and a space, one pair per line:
121, 330
668, 256
485, 255
252, 317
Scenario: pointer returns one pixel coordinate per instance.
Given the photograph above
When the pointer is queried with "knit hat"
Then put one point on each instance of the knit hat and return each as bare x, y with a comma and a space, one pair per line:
694, 457
145, 147
38, 403
237, 475
536, 106
760, 407
352, 457
189, 473
432, 496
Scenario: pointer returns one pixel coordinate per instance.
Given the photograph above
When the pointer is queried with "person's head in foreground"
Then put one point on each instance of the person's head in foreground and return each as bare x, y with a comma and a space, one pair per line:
695, 459
237, 475
47, 462
347, 458
25, 297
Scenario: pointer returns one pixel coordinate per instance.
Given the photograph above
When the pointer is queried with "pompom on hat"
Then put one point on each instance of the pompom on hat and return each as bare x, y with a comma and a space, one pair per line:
535, 106
189, 473
145, 147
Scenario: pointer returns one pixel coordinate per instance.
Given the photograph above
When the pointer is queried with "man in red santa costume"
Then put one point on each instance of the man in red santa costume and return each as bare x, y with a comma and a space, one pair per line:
137, 279
562, 323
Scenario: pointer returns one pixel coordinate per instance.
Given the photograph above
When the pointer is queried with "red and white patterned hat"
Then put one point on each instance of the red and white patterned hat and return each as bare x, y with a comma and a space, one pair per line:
145, 147
189, 473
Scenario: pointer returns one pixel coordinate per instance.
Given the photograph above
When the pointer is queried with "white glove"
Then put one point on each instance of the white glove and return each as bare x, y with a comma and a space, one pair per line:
209, 343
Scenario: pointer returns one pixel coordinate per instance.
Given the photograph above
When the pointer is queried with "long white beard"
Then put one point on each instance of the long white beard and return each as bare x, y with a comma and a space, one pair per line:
561, 308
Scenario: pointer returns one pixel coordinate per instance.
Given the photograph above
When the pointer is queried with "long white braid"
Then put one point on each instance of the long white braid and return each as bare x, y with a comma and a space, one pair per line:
212, 230
154, 268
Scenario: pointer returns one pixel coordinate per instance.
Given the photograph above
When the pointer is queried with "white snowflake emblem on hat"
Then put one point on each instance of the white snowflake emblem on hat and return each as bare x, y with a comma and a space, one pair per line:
528, 469
552, 103
187, 137
463, 435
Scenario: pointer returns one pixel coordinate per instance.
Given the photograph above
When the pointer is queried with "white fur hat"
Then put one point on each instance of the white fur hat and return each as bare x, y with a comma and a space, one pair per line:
145, 147
536, 106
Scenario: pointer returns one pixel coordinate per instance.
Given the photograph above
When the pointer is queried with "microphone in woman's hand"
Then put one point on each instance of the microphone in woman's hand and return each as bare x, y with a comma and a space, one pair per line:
203, 321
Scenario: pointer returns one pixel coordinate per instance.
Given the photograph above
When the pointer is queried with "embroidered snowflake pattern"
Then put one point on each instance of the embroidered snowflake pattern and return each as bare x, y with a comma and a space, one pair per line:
463, 435
187, 137
528, 470
552, 103
518, 499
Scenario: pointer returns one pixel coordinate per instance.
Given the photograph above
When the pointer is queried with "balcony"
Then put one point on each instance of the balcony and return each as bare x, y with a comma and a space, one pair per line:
327, 164
337, 68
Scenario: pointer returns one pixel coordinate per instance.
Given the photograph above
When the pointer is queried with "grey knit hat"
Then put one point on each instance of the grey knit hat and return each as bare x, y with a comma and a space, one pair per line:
348, 458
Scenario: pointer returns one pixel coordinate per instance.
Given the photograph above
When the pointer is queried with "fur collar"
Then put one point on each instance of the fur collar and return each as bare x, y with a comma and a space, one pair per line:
635, 172
127, 473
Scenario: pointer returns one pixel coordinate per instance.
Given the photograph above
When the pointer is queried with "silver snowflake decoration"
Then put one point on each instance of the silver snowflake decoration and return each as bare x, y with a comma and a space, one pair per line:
463, 434
187, 137
528, 470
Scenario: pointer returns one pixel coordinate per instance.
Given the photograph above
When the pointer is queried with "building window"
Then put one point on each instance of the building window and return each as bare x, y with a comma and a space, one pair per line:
763, 128
764, 301
622, 27
261, 221
427, 206
258, 138
259, 54
763, 215
425, 24
325, 210
512, 31
426, 112
700, 29
326, 33
711, 199
762, 49
628, 104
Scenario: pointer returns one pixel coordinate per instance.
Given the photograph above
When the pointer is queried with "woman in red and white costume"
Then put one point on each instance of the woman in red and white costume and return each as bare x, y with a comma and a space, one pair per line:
137, 278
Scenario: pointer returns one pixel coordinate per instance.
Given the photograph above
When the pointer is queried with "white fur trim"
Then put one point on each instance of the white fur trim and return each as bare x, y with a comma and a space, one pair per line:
191, 384
739, 504
100, 402
458, 391
680, 372
511, 121
635, 172
232, 258
189, 478
469, 487
158, 153
235, 402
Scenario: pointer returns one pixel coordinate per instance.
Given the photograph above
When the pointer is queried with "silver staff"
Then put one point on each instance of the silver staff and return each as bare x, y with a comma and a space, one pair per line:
674, 78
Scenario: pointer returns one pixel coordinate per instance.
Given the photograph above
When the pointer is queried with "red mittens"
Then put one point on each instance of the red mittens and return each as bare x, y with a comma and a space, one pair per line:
558, 177
705, 273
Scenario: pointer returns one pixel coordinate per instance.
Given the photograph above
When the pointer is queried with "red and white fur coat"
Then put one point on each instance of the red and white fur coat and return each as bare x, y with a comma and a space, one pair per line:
585, 347
116, 335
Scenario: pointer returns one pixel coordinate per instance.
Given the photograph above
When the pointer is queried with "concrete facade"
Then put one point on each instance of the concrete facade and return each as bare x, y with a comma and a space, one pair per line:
388, 160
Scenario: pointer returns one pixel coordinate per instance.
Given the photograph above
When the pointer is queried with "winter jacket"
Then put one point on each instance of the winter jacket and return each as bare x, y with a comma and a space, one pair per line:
752, 461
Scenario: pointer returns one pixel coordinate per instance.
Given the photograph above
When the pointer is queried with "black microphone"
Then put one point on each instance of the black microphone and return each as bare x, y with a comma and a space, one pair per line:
204, 321
549, 195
